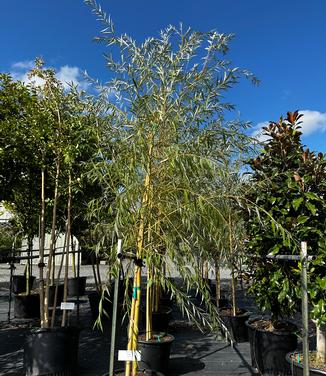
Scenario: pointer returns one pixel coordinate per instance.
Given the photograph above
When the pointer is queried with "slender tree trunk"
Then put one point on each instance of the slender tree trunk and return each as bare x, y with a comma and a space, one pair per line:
41, 251
52, 242
218, 282
73, 258
65, 294
149, 305
233, 279
28, 265
58, 280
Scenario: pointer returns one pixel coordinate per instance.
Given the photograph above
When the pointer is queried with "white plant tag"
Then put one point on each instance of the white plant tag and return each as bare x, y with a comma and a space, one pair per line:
129, 355
67, 306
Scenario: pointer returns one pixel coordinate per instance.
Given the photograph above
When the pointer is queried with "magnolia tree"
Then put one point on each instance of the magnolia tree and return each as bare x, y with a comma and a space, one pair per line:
170, 139
288, 184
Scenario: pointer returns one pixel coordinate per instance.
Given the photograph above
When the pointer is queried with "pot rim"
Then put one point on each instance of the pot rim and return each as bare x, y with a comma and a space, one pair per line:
291, 361
277, 333
55, 330
244, 314
157, 343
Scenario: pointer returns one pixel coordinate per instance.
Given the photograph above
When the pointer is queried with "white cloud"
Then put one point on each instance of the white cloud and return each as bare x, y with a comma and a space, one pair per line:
66, 74
258, 132
71, 75
312, 122
27, 64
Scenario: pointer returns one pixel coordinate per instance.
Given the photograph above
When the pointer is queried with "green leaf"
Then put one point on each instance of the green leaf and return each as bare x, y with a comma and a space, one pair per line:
311, 207
302, 219
311, 196
297, 202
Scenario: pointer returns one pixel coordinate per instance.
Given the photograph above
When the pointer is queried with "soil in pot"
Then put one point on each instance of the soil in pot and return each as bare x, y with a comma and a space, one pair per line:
76, 286
269, 345
52, 351
27, 306
155, 353
236, 324
139, 373
19, 283
296, 361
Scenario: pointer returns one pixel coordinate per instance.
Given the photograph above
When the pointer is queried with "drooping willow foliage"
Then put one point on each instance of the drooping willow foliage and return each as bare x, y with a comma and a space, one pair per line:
171, 141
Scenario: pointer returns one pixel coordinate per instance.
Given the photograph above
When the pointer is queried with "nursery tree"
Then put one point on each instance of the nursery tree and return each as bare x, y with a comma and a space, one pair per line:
170, 136
19, 167
288, 184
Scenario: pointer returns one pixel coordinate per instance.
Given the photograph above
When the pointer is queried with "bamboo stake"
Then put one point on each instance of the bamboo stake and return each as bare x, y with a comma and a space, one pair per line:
134, 319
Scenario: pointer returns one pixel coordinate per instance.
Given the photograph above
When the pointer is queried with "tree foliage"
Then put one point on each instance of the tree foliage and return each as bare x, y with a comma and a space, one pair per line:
288, 184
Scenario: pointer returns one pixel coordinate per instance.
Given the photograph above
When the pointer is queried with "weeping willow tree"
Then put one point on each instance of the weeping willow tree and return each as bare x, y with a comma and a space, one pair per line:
170, 140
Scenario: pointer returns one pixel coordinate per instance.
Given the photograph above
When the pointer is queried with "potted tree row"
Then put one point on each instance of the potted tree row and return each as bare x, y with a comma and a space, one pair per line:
287, 185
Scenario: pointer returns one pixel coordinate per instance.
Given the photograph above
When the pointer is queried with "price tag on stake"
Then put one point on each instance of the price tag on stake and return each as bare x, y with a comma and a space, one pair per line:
129, 355
67, 306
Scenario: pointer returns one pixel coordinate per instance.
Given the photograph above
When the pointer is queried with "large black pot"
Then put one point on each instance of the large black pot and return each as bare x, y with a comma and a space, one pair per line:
155, 354
19, 283
236, 324
27, 306
297, 369
52, 352
76, 286
269, 349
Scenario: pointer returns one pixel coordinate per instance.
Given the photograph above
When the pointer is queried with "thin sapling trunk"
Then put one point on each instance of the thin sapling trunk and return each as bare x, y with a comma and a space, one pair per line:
64, 314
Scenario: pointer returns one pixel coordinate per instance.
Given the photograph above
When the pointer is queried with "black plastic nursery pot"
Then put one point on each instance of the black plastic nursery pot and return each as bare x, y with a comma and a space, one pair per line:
27, 306
236, 324
52, 352
155, 353
268, 349
76, 286
297, 368
19, 283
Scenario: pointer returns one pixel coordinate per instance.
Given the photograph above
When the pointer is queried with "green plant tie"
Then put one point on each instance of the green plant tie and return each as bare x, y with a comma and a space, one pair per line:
134, 293
299, 359
158, 338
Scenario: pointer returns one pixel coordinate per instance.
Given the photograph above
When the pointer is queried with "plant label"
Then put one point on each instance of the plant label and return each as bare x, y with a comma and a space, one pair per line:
67, 306
129, 355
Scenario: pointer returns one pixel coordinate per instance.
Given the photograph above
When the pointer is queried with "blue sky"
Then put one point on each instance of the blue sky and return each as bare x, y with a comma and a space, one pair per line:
282, 42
